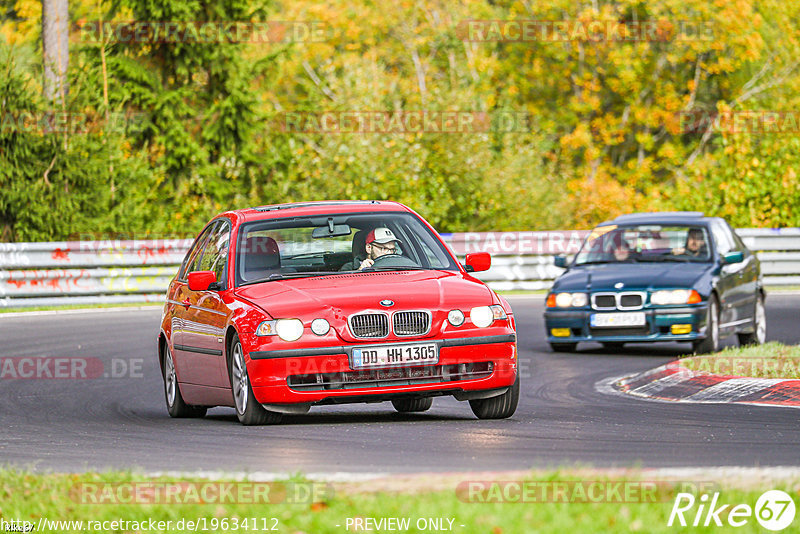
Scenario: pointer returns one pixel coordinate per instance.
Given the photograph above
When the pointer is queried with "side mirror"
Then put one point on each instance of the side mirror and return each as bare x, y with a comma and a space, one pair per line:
201, 280
733, 257
560, 261
478, 261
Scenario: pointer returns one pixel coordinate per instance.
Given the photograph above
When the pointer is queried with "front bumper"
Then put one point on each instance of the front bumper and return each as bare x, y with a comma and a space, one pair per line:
658, 325
323, 375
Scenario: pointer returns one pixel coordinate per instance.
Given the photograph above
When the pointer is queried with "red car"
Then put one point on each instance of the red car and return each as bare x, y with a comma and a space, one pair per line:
279, 308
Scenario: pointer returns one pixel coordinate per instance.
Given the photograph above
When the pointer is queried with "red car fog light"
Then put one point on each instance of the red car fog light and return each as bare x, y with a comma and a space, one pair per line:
455, 317
320, 326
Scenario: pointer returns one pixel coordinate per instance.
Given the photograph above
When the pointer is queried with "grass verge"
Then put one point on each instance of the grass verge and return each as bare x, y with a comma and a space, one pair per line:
771, 360
323, 508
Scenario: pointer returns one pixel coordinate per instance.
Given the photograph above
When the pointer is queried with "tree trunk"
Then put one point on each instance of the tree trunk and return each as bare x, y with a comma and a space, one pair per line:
55, 40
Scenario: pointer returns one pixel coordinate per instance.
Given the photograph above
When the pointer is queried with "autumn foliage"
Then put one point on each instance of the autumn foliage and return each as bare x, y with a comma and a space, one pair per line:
618, 106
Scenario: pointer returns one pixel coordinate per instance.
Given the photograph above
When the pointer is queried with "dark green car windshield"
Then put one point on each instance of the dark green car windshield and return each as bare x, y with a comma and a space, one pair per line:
645, 243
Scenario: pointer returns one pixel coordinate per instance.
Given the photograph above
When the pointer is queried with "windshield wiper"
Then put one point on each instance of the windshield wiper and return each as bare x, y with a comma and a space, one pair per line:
305, 255
285, 276
681, 259
406, 268
594, 262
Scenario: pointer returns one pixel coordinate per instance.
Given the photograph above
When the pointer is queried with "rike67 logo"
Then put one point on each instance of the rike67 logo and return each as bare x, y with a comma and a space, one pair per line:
774, 510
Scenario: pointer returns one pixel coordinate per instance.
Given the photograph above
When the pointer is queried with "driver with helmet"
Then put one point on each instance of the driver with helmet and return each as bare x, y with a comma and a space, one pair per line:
380, 242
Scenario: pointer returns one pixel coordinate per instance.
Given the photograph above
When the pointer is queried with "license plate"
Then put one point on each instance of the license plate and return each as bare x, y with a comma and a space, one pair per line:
601, 320
392, 355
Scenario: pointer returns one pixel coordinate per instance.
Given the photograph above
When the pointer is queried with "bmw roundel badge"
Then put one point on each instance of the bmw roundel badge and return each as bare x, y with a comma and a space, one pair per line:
387, 303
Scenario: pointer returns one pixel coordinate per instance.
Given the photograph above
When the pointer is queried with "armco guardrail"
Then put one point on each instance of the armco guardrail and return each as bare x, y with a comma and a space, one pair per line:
91, 272
88, 272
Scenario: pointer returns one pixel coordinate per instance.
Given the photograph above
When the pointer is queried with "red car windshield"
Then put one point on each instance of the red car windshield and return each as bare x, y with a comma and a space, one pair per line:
276, 249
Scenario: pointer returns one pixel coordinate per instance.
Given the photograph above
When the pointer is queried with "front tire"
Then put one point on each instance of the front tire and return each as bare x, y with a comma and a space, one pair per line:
759, 334
172, 391
711, 341
248, 409
499, 407
412, 405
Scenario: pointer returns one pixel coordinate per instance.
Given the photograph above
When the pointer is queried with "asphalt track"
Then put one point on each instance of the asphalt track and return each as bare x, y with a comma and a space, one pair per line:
74, 425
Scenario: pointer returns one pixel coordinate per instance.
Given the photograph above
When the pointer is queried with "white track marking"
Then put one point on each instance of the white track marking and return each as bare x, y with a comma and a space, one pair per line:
735, 388
606, 387
662, 383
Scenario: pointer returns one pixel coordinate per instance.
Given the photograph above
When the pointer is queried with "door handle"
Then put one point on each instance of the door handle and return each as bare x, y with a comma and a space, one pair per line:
186, 304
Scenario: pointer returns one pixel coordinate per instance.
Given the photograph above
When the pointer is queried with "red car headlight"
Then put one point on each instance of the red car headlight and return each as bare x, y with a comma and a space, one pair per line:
483, 316
286, 329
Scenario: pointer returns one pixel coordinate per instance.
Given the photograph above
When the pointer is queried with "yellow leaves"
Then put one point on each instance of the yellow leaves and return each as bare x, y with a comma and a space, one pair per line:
28, 8
668, 151
673, 122
789, 179
599, 197
644, 139
28, 28
579, 138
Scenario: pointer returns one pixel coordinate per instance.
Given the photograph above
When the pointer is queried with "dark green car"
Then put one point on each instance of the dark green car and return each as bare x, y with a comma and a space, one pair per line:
650, 277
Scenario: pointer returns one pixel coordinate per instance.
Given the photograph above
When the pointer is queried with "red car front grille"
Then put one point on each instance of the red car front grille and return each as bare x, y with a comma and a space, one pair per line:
400, 376
411, 323
369, 325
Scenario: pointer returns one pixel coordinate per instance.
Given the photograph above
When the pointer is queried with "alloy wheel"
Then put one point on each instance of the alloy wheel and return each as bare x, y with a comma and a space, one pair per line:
241, 383
170, 380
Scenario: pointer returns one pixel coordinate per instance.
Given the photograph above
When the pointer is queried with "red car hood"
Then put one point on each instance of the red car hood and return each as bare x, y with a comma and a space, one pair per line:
344, 294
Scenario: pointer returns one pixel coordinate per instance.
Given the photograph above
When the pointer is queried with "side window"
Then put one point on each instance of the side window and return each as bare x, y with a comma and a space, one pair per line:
738, 244
190, 263
215, 255
722, 238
